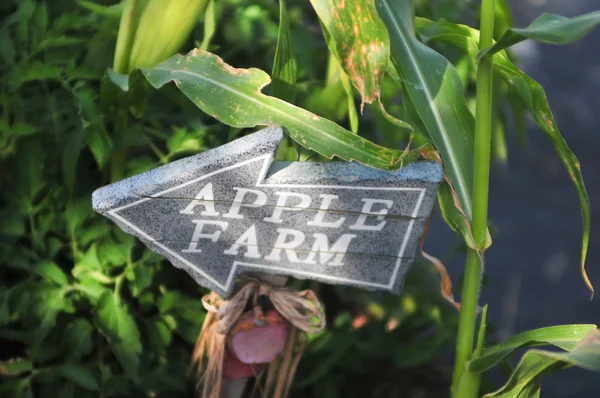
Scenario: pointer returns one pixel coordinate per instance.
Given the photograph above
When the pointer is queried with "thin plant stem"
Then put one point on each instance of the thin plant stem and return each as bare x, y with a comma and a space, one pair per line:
468, 387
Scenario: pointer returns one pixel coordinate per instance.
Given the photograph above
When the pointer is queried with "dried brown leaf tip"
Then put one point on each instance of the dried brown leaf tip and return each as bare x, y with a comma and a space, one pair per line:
360, 40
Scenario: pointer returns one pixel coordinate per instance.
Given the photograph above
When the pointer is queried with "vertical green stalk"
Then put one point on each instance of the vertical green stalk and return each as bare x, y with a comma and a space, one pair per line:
125, 37
468, 386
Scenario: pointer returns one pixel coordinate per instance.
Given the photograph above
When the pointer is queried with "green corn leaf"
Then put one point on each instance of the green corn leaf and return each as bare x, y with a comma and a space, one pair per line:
533, 96
162, 29
116, 323
233, 96
330, 101
336, 76
435, 89
210, 25
525, 381
548, 28
564, 336
352, 113
359, 40
503, 19
285, 67
130, 18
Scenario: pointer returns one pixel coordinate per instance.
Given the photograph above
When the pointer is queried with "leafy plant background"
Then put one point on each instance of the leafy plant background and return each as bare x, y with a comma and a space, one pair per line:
85, 311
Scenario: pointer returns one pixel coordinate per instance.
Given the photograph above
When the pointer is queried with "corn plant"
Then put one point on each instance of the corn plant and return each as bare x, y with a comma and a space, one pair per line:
87, 312
369, 39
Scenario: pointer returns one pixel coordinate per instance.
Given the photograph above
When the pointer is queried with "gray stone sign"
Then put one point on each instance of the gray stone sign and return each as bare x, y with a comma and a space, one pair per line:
232, 209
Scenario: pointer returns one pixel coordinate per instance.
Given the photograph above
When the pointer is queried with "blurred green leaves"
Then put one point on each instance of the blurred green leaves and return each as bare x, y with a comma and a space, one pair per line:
60, 310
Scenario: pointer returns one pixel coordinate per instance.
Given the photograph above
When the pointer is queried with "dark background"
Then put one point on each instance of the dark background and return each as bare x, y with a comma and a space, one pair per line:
532, 268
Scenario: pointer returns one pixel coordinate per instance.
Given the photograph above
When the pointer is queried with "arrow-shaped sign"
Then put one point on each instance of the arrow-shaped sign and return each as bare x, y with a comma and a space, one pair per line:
232, 209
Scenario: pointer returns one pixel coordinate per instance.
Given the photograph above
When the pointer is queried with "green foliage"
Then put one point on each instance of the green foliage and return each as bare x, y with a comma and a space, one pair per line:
357, 37
434, 89
285, 66
233, 96
564, 336
548, 28
532, 97
85, 310
526, 379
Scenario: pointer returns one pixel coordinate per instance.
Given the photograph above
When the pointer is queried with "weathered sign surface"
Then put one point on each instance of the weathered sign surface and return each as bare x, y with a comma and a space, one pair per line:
232, 209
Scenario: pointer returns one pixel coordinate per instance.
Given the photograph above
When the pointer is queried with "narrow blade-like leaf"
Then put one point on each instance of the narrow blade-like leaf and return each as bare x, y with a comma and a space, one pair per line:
548, 28
234, 97
284, 66
359, 40
503, 20
564, 336
435, 89
210, 25
534, 98
130, 18
526, 379
352, 113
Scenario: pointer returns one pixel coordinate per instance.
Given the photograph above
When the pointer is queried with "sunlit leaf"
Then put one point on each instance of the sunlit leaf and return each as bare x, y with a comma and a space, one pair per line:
564, 336
526, 379
285, 67
162, 29
210, 25
233, 96
548, 28
52, 272
359, 40
130, 18
435, 89
533, 96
